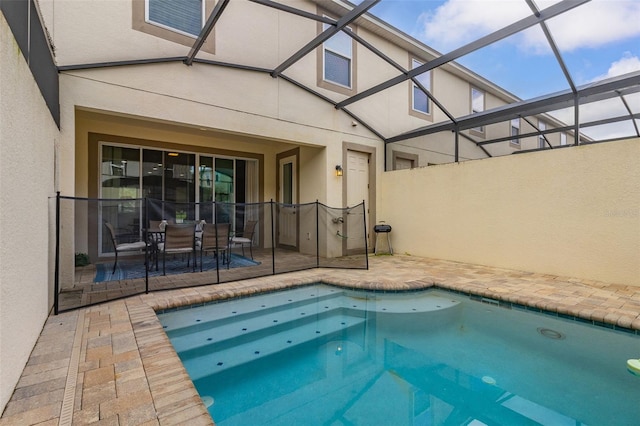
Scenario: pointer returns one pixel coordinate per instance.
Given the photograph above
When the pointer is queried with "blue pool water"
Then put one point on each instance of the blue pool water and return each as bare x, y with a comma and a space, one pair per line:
321, 355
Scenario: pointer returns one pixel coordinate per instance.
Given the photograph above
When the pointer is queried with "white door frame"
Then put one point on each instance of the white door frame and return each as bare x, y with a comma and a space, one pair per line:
371, 208
288, 223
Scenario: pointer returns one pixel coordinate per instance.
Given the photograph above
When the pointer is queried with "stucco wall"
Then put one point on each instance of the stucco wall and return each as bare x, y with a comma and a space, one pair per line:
77, 27
572, 211
27, 138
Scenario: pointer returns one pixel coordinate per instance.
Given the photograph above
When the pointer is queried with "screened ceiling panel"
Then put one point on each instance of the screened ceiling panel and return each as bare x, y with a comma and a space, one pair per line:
608, 108
517, 71
623, 129
541, 57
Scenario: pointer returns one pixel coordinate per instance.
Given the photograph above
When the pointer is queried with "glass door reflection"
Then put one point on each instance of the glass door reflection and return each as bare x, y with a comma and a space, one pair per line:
179, 186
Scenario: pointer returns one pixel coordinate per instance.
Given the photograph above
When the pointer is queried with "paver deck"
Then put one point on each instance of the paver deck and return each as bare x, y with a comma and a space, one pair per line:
113, 364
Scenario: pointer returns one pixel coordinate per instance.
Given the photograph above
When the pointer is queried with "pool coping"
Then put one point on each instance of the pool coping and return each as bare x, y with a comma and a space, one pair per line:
474, 297
124, 368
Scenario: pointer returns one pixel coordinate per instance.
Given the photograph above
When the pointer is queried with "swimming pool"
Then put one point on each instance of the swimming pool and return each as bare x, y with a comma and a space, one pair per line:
326, 355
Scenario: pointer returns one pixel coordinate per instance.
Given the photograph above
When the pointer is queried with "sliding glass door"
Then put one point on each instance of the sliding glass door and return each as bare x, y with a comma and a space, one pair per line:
225, 190
119, 180
179, 191
207, 179
182, 185
169, 177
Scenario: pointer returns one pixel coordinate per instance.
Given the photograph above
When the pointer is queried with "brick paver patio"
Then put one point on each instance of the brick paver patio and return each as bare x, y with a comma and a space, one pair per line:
113, 364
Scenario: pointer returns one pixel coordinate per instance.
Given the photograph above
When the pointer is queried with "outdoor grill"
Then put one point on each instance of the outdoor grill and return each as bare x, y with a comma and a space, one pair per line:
382, 228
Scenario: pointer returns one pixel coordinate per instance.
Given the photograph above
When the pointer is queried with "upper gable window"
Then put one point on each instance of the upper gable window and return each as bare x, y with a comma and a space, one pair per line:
515, 131
542, 126
184, 16
337, 62
337, 56
178, 21
477, 105
419, 99
563, 138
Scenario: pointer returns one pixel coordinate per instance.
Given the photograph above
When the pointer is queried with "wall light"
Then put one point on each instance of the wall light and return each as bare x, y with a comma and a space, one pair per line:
338, 170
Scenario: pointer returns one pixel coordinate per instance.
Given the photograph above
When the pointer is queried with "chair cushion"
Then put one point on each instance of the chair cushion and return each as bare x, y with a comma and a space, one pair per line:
138, 245
175, 250
241, 240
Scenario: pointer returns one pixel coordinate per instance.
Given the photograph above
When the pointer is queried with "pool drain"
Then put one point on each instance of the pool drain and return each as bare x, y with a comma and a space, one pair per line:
551, 334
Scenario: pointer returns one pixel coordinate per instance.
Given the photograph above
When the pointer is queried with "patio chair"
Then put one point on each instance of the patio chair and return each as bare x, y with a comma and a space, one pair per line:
215, 237
178, 239
246, 236
122, 247
156, 229
154, 224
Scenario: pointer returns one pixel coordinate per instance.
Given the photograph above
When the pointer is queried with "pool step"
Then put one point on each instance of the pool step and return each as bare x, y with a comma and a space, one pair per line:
228, 335
186, 322
210, 360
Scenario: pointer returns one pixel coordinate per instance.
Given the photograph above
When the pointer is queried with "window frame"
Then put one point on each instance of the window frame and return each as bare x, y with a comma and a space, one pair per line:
515, 141
563, 138
478, 131
413, 158
428, 115
542, 126
328, 84
140, 23
147, 6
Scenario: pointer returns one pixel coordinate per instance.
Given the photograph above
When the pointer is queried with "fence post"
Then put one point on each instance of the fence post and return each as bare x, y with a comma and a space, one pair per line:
147, 263
215, 220
317, 234
366, 245
273, 239
456, 146
56, 278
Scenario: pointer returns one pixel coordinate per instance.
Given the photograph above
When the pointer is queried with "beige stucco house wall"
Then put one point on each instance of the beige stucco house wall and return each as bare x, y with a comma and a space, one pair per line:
572, 212
27, 138
203, 107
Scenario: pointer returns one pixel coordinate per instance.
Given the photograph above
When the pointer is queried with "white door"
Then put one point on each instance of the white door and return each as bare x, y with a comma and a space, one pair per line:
357, 191
287, 217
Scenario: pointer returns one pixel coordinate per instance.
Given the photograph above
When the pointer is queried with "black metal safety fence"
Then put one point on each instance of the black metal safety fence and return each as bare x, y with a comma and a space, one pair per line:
107, 249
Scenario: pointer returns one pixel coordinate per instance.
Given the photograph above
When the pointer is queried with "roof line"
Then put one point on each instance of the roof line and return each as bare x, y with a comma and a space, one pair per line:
605, 89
